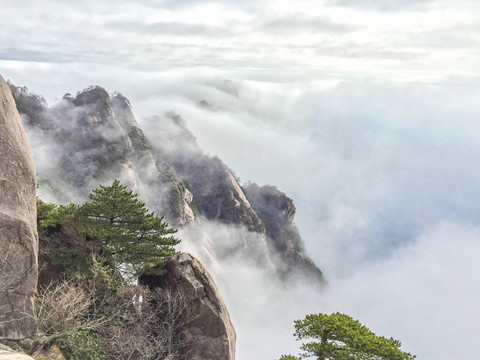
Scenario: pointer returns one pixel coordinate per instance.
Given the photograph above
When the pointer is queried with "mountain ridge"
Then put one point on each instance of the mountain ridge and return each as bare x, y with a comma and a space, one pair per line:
99, 139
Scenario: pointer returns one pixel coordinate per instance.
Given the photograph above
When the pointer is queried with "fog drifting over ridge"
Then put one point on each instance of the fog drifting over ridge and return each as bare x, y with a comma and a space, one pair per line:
365, 112
385, 181
384, 178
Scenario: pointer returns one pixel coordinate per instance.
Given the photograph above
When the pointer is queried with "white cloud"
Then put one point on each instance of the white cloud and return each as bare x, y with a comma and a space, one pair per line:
384, 171
384, 177
426, 295
344, 41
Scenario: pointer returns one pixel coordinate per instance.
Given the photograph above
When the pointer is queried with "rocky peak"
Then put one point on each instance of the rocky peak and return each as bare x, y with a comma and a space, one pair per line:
271, 201
123, 112
32, 106
176, 142
97, 102
277, 211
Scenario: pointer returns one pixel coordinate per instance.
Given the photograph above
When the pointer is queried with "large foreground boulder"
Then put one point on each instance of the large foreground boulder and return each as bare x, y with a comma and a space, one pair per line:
18, 230
211, 334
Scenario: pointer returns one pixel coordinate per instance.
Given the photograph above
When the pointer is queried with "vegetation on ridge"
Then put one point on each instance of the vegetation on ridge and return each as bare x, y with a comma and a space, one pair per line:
119, 226
88, 305
338, 336
127, 233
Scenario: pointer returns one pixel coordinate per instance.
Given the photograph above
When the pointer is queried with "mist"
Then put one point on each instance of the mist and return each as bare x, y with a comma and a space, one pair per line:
385, 180
365, 113
384, 177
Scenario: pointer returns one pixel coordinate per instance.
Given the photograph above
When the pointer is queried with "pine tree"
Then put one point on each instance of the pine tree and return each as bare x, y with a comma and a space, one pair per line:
127, 233
338, 336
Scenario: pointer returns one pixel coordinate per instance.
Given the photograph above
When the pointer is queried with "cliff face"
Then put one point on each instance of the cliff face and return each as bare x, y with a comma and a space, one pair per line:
95, 138
217, 195
18, 229
216, 191
210, 335
277, 212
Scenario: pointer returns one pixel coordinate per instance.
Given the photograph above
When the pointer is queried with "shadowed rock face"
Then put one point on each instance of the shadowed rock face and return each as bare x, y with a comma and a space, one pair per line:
277, 212
96, 139
211, 333
18, 229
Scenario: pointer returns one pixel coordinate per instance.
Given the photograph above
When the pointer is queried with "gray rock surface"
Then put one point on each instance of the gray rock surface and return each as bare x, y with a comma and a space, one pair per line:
277, 212
8, 354
211, 333
18, 231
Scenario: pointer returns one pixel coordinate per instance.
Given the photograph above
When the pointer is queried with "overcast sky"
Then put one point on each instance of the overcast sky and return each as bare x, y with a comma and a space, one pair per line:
365, 112
275, 40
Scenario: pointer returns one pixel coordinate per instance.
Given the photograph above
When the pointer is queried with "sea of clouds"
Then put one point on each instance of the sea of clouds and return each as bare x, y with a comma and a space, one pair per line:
385, 178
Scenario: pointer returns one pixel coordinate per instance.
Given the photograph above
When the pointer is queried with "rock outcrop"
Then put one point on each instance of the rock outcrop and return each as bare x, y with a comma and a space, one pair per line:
211, 335
8, 354
94, 138
18, 229
277, 211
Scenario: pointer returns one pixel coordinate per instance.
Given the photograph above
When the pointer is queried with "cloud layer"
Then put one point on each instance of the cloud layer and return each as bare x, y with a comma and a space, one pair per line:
409, 40
364, 112
384, 177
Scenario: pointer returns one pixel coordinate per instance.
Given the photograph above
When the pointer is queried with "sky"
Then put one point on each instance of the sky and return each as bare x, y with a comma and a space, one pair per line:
365, 112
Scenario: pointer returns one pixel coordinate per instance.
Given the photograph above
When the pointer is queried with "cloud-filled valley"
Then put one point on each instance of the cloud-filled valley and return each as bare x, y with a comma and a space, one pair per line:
385, 183
365, 113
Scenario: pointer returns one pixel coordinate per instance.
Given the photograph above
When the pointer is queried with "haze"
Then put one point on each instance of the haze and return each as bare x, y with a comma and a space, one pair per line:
365, 112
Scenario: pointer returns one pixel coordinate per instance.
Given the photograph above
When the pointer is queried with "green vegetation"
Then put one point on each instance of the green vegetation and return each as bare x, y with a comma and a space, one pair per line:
128, 234
86, 303
50, 216
338, 336
119, 227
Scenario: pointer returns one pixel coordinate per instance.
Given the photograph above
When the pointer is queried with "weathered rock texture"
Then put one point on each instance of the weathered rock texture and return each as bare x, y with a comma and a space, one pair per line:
8, 354
93, 138
52, 353
276, 211
211, 333
18, 231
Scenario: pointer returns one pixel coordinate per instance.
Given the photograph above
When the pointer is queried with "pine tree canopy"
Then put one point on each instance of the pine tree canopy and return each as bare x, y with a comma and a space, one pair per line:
338, 336
128, 234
